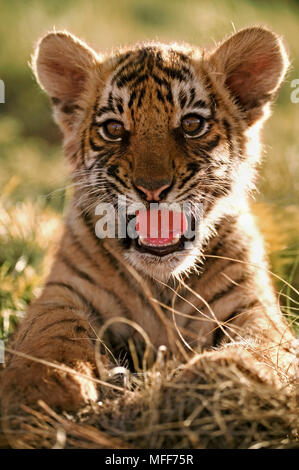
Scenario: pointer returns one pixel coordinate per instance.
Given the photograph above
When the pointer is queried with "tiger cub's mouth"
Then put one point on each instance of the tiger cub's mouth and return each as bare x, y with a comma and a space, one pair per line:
176, 244
160, 232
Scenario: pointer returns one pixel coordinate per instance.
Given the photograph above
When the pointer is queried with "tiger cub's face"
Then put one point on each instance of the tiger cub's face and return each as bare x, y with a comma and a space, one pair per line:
162, 124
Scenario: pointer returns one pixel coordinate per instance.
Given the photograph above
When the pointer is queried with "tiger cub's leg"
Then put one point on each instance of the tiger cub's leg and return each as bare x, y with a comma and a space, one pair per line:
58, 335
263, 334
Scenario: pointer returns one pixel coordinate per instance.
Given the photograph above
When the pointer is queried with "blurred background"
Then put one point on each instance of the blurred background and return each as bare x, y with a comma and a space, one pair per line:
33, 177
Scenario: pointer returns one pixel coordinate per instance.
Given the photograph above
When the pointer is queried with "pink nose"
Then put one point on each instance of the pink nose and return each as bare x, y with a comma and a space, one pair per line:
153, 194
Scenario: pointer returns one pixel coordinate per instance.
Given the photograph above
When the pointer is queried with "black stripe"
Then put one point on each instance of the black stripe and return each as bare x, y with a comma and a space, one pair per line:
83, 299
187, 190
226, 291
214, 99
113, 172
132, 98
221, 189
95, 147
111, 101
182, 56
64, 338
76, 270
88, 222
120, 108
186, 70
185, 180
193, 169
58, 322
129, 77
161, 81
224, 234
160, 96
115, 188
139, 80
200, 104
172, 73
219, 334
122, 80
122, 58
223, 240
29, 327
192, 96
139, 61
212, 144
169, 96
182, 99
81, 247
95, 163
141, 96
158, 80
244, 308
48, 309
104, 109
227, 127
54, 306
208, 265
200, 152
193, 166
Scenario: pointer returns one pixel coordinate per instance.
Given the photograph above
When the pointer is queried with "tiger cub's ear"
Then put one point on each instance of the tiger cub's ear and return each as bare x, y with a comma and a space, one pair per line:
251, 64
64, 67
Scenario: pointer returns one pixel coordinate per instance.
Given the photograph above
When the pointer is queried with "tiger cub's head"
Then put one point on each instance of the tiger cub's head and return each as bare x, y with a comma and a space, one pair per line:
162, 124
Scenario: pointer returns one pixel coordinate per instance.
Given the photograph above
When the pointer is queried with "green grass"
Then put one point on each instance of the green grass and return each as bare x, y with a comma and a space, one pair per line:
32, 168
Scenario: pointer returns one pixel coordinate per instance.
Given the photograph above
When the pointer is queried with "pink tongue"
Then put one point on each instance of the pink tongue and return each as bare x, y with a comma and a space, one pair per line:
160, 227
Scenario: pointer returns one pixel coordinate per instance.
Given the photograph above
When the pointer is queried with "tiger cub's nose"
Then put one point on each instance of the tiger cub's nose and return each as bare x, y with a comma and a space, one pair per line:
153, 192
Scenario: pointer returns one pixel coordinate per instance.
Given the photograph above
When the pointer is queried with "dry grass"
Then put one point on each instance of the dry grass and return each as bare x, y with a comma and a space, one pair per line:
220, 404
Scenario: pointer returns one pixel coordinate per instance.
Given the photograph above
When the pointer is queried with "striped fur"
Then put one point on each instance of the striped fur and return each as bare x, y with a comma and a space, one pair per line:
219, 285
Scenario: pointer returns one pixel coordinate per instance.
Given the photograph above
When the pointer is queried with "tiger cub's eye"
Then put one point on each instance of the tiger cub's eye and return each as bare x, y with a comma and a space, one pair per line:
192, 124
113, 130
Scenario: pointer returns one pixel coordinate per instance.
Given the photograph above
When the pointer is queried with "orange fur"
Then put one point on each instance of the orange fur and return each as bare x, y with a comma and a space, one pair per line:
219, 288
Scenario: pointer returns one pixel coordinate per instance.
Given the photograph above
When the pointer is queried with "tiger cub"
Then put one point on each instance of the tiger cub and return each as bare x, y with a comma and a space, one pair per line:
164, 139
